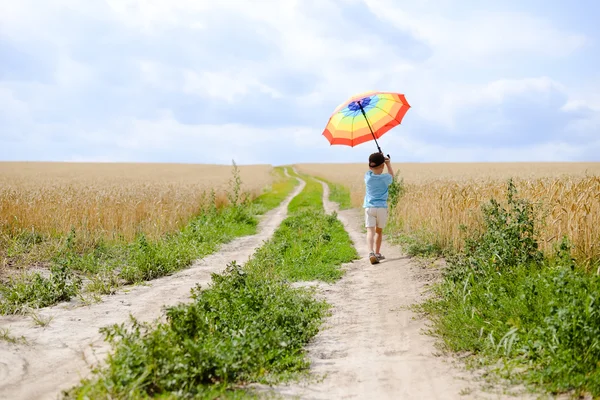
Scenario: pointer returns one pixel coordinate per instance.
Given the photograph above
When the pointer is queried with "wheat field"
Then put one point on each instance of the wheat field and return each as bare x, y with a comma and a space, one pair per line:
443, 196
112, 200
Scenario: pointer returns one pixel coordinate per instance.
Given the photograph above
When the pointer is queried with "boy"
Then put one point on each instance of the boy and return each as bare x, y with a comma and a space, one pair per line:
375, 203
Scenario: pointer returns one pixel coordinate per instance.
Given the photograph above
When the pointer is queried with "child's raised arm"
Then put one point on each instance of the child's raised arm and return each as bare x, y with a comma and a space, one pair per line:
388, 164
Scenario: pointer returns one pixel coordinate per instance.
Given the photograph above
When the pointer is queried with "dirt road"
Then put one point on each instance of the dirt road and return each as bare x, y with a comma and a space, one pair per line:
56, 357
372, 347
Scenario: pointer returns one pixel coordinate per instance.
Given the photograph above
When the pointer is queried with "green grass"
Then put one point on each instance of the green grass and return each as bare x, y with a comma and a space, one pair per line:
531, 319
109, 266
309, 245
35, 291
311, 196
249, 325
244, 328
339, 194
415, 243
278, 191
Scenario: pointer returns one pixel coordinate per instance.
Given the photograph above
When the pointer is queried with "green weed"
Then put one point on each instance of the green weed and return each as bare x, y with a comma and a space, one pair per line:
274, 195
310, 198
7, 337
243, 328
395, 191
503, 301
309, 245
40, 320
416, 243
35, 290
339, 194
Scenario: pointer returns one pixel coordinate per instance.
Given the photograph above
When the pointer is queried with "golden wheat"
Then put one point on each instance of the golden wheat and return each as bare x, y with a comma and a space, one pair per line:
441, 198
112, 200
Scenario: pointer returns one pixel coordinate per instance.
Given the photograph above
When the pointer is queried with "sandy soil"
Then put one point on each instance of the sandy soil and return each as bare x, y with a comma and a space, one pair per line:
57, 356
372, 347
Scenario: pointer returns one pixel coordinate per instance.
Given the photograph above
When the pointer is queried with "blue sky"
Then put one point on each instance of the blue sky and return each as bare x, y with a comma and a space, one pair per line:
198, 81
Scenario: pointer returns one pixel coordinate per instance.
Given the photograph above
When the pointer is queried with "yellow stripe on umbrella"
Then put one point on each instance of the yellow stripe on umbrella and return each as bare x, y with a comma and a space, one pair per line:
364, 117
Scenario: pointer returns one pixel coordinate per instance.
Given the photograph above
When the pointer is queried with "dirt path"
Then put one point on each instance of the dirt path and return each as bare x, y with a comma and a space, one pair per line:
372, 347
58, 356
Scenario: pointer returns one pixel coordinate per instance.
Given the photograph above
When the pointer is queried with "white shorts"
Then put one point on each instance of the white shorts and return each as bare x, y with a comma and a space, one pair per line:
376, 217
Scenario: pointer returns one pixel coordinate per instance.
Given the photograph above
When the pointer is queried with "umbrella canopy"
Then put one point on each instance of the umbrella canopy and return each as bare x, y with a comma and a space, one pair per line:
364, 117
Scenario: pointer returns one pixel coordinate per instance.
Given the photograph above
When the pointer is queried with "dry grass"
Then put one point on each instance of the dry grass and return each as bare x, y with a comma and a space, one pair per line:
442, 197
111, 200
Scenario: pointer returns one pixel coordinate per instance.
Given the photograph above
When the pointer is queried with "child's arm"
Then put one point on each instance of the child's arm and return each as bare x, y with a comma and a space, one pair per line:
388, 164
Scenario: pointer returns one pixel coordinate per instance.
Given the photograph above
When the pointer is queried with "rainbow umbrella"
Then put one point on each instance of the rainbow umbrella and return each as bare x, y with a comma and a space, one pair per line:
364, 117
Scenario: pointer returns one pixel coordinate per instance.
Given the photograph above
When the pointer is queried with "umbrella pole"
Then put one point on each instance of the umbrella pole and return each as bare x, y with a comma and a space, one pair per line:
369, 125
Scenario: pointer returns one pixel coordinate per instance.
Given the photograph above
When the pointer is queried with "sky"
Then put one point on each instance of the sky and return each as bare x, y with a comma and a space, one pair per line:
199, 81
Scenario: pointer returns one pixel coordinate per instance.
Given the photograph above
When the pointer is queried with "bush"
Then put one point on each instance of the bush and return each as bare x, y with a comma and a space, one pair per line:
395, 191
508, 239
501, 299
35, 291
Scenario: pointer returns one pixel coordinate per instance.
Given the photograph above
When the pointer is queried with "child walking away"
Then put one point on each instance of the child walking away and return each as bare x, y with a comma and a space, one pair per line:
375, 204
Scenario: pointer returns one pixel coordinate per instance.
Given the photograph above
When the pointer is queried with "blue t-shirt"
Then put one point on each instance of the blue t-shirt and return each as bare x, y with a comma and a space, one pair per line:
377, 190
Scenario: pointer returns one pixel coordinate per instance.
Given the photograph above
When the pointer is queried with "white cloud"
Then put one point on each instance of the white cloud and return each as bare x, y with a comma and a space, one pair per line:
226, 85
446, 108
457, 72
409, 150
477, 33
11, 106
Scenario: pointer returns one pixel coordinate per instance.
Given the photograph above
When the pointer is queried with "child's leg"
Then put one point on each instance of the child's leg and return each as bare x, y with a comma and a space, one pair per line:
378, 240
370, 224
382, 217
371, 238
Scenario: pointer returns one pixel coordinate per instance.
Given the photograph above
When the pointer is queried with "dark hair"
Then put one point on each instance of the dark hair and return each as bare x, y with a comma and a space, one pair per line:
376, 159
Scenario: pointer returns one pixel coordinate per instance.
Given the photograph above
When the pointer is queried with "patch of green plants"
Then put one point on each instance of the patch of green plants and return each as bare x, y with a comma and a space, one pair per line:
535, 319
34, 290
249, 325
415, 243
108, 266
282, 186
339, 194
243, 328
395, 191
148, 260
309, 245
311, 196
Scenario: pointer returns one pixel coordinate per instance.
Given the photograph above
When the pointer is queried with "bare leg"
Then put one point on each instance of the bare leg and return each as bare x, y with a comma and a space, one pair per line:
378, 239
370, 238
